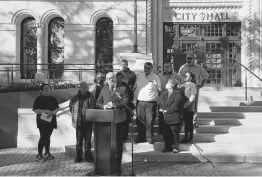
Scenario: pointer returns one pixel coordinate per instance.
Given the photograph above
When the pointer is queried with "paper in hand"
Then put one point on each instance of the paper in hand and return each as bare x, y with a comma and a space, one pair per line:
45, 117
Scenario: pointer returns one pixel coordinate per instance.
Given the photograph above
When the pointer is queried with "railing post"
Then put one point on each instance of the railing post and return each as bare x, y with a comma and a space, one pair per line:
81, 74
79, 77
7, 72
12, 75
246, 88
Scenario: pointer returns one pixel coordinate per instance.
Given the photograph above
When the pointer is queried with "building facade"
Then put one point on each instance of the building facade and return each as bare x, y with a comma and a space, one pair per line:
219, 33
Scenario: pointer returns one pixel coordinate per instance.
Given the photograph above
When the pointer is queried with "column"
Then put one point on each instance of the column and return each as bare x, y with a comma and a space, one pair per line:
160, 33
256, 62
154, 33
40, 31
148, 26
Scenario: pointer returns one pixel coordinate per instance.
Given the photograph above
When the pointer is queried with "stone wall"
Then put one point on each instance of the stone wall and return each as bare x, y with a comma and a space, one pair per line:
80, 19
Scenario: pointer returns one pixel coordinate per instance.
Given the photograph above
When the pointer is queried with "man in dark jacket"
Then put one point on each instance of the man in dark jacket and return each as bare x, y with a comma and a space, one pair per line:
130, 106
78, 105
113, 96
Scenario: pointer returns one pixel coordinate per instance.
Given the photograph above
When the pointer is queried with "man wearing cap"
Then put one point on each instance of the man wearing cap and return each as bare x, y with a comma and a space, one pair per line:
200, 73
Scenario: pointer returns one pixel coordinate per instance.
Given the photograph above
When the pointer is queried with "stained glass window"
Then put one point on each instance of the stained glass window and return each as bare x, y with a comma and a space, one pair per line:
104, 45
56, 47
28, 48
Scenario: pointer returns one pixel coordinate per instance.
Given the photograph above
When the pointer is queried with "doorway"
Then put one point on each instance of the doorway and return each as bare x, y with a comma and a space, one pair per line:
215, 46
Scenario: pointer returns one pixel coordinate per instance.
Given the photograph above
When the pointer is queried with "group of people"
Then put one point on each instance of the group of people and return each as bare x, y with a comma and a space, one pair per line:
172, 96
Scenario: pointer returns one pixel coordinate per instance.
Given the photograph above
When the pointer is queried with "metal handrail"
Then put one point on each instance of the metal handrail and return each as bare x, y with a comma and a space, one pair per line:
11, 68
246, 76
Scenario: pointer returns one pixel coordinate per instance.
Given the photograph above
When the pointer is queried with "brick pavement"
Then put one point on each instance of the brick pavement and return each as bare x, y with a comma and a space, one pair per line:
21, 162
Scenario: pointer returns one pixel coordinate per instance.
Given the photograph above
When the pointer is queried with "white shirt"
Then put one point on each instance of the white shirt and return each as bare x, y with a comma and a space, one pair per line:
146, 90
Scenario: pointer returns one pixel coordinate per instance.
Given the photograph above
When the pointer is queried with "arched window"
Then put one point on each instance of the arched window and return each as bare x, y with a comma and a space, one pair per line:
56, 36
104, 45
28, 50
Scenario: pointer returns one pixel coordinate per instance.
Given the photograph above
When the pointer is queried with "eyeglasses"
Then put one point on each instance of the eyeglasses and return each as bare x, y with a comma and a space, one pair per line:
189, 58
147, 67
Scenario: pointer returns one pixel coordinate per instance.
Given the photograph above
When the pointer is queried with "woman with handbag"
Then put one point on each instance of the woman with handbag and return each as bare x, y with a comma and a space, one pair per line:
46, 107
170, 113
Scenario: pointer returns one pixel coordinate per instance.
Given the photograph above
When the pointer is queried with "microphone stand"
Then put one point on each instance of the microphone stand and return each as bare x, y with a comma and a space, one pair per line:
132, 135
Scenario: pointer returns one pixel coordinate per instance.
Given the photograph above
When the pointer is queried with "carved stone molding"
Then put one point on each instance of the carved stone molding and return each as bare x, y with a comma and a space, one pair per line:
203, 4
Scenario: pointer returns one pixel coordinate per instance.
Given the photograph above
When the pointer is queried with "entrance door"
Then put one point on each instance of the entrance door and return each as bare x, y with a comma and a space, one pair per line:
217, 59
215, 46
215, 63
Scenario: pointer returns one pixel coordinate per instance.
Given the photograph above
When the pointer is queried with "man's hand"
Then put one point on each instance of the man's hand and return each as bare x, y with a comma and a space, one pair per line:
160, 110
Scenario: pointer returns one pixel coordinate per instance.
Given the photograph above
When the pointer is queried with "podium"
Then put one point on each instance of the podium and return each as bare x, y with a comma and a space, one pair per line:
105, 134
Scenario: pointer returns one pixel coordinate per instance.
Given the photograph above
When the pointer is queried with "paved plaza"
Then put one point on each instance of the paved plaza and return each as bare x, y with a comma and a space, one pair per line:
21, 162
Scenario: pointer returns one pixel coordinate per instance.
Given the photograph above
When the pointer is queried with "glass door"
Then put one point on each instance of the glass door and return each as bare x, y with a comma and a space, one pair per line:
215, 63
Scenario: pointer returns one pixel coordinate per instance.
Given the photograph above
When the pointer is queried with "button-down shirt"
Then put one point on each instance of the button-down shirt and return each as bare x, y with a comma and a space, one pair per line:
146, 91
198, 70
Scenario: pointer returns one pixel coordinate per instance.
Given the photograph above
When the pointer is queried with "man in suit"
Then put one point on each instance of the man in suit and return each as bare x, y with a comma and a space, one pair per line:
113, 96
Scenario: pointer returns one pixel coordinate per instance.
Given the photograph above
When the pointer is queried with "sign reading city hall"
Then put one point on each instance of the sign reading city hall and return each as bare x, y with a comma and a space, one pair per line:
171, 14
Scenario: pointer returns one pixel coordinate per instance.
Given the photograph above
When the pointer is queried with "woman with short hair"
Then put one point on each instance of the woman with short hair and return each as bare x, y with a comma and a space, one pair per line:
170, 113
46, 107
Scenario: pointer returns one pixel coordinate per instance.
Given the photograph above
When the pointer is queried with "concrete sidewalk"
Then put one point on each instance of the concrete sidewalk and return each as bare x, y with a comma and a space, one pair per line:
21, 162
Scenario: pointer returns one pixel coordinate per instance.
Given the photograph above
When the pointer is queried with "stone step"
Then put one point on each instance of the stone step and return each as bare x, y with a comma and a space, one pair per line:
229, 115
230, 89
200, 152
203, 147
229, 121
229, 103
231, 138
226, 117
251, 128
230, 109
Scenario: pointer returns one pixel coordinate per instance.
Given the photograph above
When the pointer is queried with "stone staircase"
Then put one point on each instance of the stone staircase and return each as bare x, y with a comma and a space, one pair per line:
229, 131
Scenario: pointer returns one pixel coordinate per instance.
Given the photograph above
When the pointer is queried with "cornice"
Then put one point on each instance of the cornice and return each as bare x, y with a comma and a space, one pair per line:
203, 4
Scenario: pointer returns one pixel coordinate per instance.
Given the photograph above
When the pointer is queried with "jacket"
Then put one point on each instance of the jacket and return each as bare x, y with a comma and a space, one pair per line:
119, 97
78, 110
174, 105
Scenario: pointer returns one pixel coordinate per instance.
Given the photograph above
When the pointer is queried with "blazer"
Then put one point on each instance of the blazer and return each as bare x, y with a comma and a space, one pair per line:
105, 97
174, 105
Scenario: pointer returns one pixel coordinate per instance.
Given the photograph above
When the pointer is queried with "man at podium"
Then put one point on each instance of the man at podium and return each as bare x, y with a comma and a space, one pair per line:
114, 97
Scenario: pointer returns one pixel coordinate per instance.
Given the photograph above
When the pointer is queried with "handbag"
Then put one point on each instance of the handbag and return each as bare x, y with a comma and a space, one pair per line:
172, 118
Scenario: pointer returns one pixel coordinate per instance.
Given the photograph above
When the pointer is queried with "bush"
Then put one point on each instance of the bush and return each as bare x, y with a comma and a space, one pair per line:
21, 87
